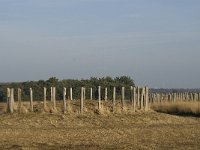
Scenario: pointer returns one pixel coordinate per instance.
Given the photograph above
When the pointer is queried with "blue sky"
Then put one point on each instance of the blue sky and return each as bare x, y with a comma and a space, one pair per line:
156, 42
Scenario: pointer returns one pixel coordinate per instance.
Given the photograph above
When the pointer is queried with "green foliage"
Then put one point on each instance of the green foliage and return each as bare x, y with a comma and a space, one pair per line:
93, 82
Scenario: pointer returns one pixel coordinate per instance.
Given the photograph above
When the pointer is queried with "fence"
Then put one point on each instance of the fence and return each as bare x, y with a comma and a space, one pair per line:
139, 98
173, 97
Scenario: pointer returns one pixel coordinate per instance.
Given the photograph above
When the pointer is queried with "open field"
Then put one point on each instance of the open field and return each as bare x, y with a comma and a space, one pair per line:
149, 130
179, 108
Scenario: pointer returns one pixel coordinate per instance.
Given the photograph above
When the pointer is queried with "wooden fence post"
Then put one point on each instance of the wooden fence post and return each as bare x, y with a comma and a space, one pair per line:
31, 99
91, 94
99, 97
142, 98
106, 94
51, 94
84, 93
114, 98
138, 96
134, 99
123, 97
131, 97
10, 97
146, 98
82, 99
71, 94
45, 98
13, 98
64, 100
19, 94
54, 98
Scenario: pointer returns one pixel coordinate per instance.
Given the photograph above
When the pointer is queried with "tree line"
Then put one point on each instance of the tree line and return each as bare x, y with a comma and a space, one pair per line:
93, 82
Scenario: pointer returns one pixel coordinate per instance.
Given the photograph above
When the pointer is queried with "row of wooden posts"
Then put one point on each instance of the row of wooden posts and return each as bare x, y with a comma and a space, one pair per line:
173, 97
139, 98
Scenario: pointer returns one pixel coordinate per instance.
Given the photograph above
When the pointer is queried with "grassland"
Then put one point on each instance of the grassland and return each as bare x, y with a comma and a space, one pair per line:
93, 130
179, 108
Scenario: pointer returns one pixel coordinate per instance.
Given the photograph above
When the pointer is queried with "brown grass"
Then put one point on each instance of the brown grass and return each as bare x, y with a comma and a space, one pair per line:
92, 130
180, 108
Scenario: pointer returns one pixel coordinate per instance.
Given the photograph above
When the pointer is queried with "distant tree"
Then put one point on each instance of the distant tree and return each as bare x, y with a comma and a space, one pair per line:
93, 82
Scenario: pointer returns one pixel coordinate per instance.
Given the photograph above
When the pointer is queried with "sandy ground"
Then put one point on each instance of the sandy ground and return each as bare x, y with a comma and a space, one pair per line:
152, 130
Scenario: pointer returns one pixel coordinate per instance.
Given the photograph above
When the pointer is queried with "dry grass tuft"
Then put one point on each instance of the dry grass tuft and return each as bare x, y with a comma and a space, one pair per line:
46, 109
118, 109
53, 111
180, 108
69, 107
4, 109
15, 106
102, 111
122, 110
23, 109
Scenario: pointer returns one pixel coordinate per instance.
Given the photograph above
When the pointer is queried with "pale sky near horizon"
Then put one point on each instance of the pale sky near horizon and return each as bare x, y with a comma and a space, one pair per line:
155, 42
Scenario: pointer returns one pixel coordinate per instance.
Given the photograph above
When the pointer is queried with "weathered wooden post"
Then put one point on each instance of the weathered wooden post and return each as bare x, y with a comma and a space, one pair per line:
45, 98
114, 99
51, 94
64, 100
10, 96
31, 99
8, 99
71, 94
134, 99
123, 97
131, 97
54, 98
142, 98
106, 94
19, 94
181, 97
146, 98
99, 97
84, 93
138, 96
91, 94
12, 101
82, 99
174, 97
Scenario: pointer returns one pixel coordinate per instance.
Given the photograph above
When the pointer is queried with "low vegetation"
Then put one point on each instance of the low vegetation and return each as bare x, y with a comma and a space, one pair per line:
93, 82
179, 108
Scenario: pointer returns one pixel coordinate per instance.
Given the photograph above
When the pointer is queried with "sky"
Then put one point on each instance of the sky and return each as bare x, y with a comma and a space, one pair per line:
155, 42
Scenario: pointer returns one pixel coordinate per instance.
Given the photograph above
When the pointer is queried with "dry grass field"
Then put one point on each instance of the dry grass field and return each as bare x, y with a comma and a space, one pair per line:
179, 108
94, 130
